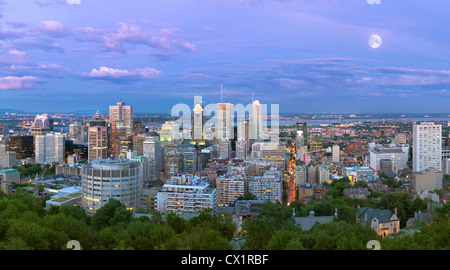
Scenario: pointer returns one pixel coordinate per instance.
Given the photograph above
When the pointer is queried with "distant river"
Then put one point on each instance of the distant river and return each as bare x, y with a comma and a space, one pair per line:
330, 121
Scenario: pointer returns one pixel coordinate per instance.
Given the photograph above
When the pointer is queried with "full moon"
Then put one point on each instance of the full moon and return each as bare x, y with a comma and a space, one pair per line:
374, 41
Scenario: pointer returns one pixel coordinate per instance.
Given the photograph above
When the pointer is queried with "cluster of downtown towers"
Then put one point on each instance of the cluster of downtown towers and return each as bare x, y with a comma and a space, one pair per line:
121, 155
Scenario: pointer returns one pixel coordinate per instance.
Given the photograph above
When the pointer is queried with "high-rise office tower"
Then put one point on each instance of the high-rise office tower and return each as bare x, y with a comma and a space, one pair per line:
256, 124
224, 147
117, 134
8, 160
173, 163
224, 126
243, 131
302, 126
49, 148
427, 146
152, 151
198, 122
124, 113
22, 145
98, 120
316, 141
76, 131
42, 124
189, 159
275, 153
168, 131
138, 144
97, 138
4, 129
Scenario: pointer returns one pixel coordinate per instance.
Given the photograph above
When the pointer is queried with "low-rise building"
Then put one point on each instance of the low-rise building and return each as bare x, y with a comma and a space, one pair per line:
268, 187
356, 193
69, 196
186, 194
429, 179
307, 223
430, 194
247, 209
10, 175
149, 199
229, 188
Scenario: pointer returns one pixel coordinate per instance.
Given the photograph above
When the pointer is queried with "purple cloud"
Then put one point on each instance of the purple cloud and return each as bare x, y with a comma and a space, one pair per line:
53, 27
18, 83
129, 35
106, 73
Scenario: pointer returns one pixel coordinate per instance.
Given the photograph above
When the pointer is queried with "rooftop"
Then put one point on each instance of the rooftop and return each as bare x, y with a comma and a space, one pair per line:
8, 171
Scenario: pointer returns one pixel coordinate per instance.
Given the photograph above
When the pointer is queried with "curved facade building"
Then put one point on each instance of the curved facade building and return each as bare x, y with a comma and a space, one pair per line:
105, 179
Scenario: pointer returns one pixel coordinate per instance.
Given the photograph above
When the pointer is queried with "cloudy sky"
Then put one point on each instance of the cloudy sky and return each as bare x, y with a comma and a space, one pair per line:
305, 55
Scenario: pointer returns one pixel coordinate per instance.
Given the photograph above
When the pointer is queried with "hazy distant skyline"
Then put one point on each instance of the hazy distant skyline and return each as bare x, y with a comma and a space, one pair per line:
306, 55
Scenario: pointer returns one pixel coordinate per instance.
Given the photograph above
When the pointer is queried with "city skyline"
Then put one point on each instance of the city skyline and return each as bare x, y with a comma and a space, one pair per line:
307, 56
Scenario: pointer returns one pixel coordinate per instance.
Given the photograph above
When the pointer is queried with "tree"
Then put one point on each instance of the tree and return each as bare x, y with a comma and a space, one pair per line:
177, 223
284, 239
110, 214
73, 228
35, 236
347, 214
342, 236
272, 217
201, 237
247, 196
146, 235
221, 222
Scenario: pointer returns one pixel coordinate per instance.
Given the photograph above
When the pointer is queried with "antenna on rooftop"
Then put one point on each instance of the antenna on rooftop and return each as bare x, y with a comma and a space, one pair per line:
221, 93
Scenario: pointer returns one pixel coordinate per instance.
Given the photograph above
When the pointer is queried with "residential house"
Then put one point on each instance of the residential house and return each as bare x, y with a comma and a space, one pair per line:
307, 223
383, 221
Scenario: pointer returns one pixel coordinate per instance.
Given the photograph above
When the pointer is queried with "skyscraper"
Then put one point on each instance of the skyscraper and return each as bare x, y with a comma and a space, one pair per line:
152, 151
124, 113
76, 131
22, 145
224, 127
302, 126
427, 146
117, 132
42, 124
49, 148
224, 148
97, 138
168, 131
174, 163
316, 141
198, 122
256, 124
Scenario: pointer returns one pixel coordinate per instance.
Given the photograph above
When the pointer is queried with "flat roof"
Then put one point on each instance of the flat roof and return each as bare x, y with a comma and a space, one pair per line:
8, 171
